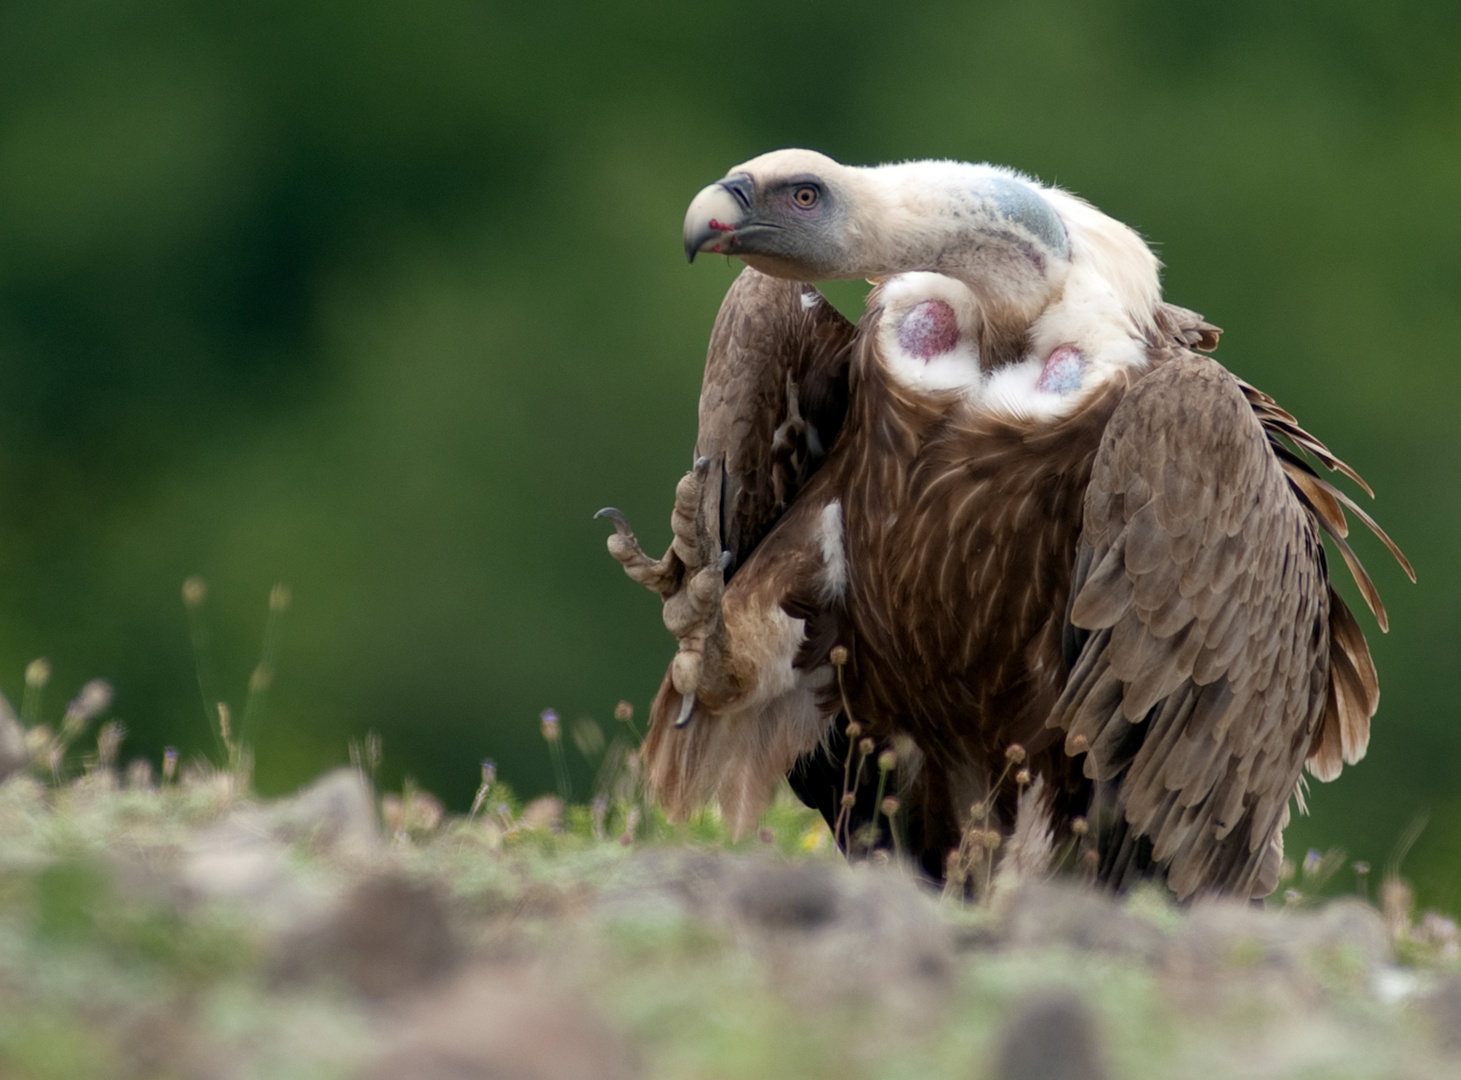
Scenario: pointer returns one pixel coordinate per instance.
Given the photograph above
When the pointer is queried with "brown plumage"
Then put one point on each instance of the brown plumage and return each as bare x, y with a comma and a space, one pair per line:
1117, 567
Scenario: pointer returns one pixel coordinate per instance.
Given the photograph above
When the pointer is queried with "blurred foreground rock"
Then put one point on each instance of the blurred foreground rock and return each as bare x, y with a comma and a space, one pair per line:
1050, 1036
503, 1024
388, 935
186, 931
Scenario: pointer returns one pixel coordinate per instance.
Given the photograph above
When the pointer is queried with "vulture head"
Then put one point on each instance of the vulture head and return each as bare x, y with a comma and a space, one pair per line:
1028, 269
799, 214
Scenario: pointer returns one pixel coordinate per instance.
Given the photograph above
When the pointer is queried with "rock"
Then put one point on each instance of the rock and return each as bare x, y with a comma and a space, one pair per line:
503, 1024
1042, 913
825, 934
1279, 961
1442, 1006
796, 897
335, 814
1050, 1036
388, 935
237, 858
831, 936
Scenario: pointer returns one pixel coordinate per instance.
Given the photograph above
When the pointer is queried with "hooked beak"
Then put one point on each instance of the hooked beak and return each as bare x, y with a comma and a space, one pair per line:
716, 213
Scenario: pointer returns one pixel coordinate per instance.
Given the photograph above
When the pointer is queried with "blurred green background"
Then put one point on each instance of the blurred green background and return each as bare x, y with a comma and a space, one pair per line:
384, 299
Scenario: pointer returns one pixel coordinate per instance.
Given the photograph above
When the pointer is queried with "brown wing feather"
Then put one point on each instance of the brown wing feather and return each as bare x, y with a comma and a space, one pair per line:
773, 399
1211, 676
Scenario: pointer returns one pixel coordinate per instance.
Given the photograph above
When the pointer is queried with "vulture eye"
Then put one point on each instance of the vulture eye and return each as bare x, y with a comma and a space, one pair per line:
806, 196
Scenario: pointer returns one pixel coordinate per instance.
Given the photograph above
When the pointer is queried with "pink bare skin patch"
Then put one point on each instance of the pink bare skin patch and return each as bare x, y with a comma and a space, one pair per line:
930, 329
1063, 372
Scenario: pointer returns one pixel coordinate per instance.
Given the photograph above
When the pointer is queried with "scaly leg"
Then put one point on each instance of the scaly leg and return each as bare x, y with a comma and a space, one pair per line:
691, 580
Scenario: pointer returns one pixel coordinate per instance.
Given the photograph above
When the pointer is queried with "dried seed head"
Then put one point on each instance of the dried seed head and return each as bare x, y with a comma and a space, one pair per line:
623, 712
854, 729
849, 799
38, 673
195, 591
838, 655
1014, 753
108, 742
1079, 826
890, 806
1313, 860
866, 747
588, 737
392, 812
977, 812
1022, 777
549, 719
1077, 744
887, 761
1396, 900
90, 700
1091, 858
423, 812
139, 774
991, 839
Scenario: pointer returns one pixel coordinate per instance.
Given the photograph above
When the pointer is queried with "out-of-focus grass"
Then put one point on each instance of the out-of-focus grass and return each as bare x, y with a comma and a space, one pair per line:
153, 931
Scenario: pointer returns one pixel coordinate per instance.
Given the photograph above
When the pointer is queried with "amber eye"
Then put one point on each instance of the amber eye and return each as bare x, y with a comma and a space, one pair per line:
806, 196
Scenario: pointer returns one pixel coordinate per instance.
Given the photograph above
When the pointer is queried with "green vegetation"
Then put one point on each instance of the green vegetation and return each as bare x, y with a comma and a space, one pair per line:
185, 929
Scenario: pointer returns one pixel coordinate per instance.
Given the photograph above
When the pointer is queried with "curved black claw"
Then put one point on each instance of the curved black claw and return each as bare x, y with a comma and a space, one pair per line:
621, 523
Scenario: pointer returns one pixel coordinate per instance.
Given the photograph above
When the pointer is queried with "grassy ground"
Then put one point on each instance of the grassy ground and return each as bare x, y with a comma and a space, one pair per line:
183, 929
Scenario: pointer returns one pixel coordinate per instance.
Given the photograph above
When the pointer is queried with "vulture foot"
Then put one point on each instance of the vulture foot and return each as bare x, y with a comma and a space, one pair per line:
693, 612
662, 576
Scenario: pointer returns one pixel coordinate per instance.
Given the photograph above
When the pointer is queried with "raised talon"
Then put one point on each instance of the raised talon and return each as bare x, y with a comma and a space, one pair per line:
660, 575
691, 580
614, 514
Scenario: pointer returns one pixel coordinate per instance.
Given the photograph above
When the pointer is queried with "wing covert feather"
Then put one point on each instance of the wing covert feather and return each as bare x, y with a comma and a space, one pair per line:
1209, 682
773, 399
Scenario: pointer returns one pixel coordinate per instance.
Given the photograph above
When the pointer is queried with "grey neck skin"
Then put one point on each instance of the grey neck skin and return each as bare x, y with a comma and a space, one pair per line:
994, 233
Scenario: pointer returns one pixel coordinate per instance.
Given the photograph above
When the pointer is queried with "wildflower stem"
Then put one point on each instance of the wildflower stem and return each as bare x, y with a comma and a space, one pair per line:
839, 828
263, 674
554, 736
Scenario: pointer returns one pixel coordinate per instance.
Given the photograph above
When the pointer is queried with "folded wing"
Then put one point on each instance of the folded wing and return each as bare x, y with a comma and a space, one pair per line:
1211, 659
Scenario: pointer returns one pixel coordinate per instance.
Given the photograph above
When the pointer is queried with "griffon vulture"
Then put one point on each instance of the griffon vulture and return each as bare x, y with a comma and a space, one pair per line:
1029, 512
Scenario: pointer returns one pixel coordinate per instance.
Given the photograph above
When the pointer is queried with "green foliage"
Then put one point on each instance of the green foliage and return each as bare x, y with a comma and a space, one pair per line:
384, 300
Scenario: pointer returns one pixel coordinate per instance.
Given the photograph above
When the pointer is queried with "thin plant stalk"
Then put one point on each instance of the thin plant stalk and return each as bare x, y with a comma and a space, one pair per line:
262, 677
554, 736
